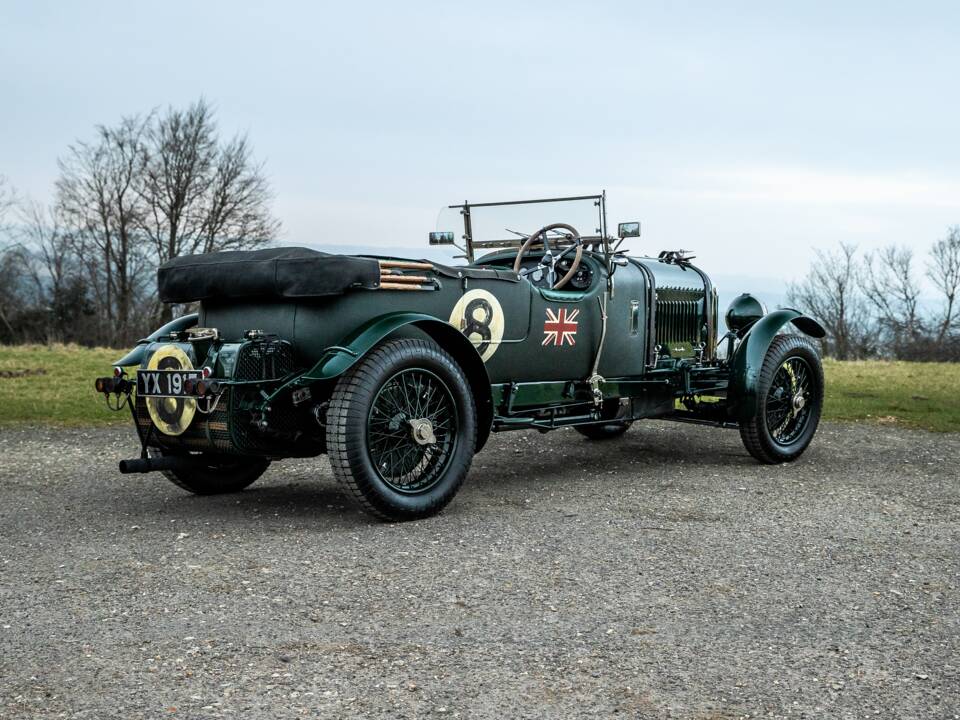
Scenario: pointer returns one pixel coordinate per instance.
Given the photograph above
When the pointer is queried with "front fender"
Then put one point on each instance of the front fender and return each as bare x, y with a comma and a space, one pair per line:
337, 359
135, 356
748, 359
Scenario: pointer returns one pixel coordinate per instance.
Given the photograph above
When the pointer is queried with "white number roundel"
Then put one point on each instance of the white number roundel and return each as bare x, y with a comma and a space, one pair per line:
478, 315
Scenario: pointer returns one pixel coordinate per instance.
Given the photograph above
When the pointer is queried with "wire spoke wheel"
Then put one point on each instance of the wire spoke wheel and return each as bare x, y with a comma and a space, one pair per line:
412, 430
788, 401
402, 429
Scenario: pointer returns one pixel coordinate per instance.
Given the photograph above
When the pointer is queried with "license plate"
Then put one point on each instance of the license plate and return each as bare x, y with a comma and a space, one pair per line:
165, 383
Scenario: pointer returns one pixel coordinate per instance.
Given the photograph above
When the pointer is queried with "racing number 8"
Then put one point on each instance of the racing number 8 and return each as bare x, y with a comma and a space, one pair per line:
476, 326
478, 315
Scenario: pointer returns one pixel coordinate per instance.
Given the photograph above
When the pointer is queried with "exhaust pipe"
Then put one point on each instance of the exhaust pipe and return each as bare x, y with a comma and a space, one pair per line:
151, 464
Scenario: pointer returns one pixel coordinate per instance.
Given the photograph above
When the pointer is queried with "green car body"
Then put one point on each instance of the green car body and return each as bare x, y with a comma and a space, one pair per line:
637, 338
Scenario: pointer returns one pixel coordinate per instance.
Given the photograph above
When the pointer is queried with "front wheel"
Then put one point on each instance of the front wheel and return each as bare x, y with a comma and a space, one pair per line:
401, 429
789, 401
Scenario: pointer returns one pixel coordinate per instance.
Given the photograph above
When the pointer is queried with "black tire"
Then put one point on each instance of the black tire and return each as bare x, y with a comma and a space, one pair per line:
389, 471
778, 431
222, 475
606, 431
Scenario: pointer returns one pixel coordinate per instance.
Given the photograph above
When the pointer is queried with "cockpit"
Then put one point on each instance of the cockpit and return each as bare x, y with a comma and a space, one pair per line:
553, 243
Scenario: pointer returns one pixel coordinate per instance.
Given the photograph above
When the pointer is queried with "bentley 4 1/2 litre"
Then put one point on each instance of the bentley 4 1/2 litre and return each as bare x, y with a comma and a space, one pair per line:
399, 369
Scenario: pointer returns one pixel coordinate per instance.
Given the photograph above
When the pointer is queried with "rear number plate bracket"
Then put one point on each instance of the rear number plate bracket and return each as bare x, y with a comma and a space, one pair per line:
165, 383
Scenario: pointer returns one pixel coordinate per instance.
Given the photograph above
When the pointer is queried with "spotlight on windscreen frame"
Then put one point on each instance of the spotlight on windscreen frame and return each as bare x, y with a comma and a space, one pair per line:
441, 238
628, 229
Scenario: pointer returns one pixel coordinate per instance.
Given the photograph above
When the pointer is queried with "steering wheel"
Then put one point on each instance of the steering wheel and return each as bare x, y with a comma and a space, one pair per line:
549, 261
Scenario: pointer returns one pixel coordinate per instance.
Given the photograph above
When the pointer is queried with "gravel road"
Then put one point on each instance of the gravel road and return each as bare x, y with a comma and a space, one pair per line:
662, 575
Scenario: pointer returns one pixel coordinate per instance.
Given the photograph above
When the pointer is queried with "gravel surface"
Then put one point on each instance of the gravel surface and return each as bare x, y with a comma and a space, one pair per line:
661, 575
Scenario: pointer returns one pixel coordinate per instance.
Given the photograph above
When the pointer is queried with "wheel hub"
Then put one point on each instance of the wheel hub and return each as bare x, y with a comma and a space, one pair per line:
422, 431
798, 402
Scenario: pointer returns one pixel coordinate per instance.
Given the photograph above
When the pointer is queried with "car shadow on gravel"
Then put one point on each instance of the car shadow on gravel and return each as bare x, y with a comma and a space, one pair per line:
564, 453
526, 464
265, 500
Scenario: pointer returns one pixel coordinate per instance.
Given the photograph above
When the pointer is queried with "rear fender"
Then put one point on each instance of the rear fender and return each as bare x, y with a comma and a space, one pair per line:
748, 359
135, 356
337, 359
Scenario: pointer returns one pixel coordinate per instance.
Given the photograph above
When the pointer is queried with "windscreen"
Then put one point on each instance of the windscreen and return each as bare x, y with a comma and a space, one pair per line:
513, 222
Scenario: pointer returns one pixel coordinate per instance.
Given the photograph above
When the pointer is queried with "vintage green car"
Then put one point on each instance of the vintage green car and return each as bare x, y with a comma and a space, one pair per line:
399, 370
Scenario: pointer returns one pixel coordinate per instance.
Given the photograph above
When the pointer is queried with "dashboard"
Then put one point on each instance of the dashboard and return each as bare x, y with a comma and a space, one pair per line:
581, 281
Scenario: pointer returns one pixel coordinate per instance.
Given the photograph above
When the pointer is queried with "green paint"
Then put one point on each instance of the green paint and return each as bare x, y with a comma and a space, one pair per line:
748, 360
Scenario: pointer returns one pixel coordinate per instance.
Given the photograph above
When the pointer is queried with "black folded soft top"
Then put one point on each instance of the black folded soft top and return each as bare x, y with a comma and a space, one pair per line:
290, 272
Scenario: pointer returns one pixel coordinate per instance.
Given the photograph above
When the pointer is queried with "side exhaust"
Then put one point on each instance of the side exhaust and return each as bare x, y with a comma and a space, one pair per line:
151, 464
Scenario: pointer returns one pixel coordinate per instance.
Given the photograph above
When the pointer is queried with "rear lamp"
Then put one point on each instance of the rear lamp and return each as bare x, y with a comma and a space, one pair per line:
118, 372
205, 387
206, 372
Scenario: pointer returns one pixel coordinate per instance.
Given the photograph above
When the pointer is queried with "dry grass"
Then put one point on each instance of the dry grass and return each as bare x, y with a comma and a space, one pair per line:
914, 394
42, 384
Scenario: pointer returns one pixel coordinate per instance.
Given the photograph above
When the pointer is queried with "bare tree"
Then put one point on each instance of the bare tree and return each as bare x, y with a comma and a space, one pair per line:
9, 264
97, 195
831, 294
56, 290
139, 193
10, 293
7, 198
199, 195
238, 207
888, 282
47, 245
943, 269
175, 175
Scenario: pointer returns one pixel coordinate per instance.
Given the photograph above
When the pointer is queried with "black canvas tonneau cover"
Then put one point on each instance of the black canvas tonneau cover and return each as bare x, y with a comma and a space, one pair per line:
291, 272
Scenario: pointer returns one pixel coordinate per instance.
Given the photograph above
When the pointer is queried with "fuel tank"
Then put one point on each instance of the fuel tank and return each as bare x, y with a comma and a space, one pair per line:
227, 423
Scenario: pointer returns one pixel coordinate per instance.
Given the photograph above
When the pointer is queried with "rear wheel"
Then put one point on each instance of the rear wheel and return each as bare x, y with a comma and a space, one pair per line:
401, 429
221, 475
789, 401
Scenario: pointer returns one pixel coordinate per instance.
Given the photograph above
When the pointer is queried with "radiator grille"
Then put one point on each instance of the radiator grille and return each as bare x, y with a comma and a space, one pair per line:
679, 320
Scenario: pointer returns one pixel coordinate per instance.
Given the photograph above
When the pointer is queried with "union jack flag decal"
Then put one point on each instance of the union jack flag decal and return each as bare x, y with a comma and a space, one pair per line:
560, 327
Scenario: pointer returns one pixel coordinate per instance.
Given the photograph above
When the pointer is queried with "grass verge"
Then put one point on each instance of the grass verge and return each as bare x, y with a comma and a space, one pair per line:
54, 385
914, 394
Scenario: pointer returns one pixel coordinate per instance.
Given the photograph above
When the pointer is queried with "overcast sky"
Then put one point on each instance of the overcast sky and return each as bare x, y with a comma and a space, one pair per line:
749, 132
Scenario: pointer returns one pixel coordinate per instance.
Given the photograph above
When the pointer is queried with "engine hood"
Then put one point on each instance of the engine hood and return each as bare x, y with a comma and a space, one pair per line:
674, 277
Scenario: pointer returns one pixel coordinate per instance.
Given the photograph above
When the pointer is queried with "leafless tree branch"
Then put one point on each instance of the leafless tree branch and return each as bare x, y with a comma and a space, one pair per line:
831, 294
888, 283
943, 269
